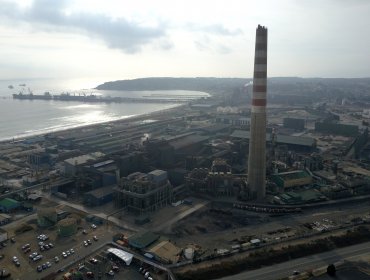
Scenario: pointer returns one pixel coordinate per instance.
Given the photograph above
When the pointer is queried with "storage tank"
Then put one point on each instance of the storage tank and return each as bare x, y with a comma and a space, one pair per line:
46, 217
189, 253
67, 227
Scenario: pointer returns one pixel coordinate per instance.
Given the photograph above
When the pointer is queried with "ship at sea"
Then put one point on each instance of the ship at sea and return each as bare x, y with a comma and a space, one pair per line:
94, 98
31, 96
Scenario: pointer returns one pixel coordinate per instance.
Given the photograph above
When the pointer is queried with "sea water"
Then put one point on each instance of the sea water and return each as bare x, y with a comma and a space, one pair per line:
23, 118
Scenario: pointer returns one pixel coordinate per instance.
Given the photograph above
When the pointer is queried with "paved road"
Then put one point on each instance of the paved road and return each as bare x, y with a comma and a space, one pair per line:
312, 262
117, 222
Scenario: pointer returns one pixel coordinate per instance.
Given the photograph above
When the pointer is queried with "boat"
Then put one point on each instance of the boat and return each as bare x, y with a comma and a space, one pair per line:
31, 96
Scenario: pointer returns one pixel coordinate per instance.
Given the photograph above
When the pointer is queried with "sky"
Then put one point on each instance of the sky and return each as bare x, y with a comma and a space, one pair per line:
121, 39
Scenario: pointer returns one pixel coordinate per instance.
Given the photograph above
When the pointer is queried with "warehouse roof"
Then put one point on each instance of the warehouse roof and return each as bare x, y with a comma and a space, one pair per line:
143, 240
102, 192
166, 250
123, 255
187, 141
291, 175
9, 203
84, 158
284, 139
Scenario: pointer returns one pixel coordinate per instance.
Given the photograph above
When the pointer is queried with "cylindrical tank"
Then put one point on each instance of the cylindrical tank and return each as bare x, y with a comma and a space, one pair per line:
189, 253
67, 227
46, 217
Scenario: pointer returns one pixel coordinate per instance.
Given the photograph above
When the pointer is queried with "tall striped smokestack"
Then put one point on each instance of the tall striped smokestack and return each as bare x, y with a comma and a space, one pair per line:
257, 143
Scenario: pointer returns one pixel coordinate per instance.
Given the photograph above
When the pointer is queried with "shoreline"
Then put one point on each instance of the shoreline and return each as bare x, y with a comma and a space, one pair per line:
132, 118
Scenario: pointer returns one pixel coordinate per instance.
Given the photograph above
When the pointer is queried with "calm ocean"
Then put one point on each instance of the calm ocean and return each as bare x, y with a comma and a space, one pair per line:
21, 118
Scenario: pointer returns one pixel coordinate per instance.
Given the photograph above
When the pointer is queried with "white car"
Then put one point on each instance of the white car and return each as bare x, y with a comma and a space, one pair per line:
56, 259
64, 254
72, 251
15, 259
93, 226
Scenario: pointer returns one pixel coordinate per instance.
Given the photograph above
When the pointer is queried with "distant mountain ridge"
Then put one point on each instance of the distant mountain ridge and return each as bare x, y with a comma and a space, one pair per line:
276, 85
166, 83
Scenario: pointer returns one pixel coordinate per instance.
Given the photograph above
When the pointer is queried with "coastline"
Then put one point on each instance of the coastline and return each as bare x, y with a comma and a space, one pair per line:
124, 120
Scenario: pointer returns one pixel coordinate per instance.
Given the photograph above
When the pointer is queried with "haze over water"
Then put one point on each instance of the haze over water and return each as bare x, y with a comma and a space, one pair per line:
22, 118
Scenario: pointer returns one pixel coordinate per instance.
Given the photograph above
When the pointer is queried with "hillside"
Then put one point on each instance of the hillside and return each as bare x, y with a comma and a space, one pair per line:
338, 87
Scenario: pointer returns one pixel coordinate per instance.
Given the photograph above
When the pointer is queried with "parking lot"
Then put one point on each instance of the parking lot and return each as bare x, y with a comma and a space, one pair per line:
39, 252
102, 265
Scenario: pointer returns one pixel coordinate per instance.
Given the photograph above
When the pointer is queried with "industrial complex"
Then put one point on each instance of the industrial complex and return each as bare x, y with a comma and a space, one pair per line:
207, 186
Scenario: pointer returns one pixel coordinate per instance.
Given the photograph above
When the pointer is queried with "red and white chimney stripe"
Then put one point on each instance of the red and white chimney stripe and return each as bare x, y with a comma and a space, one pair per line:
260, 72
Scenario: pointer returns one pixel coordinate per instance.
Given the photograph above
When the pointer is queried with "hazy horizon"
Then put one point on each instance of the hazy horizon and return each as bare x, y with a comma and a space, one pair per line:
107, 41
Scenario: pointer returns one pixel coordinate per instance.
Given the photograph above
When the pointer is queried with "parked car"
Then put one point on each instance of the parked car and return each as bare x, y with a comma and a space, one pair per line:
93, 260
56, 259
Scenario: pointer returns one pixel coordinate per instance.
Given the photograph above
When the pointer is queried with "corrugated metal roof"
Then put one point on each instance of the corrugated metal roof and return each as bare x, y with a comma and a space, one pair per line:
123, 255
284, 139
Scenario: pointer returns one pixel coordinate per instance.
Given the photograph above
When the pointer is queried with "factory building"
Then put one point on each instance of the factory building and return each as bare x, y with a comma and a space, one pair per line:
9, 205
257, 142
73, 165
99, 174
39, 160
99, 196
165, 252
337, 128
168, 151
143, 240
216, 181
293, 123
142, 193
130, 162
291, 179
235, 120
299, 143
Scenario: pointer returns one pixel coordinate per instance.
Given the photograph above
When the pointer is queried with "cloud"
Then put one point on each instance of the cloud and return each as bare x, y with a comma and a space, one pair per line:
215, 29
50, 16
205, 43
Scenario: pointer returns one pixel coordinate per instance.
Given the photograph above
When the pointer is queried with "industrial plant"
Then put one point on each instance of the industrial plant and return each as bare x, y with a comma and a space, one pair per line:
214, 185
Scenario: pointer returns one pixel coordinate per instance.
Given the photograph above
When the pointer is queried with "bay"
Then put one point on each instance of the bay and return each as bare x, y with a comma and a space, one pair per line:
24, 118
